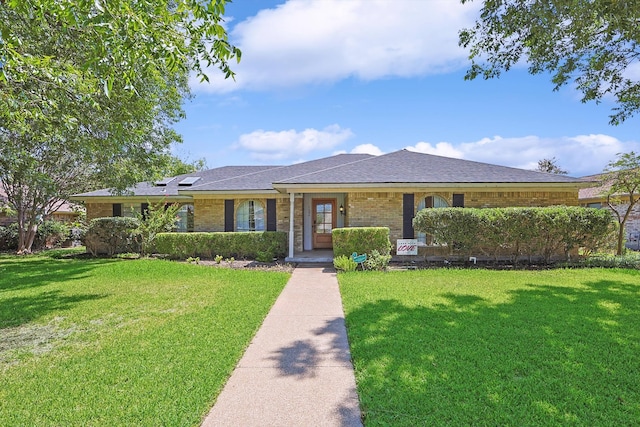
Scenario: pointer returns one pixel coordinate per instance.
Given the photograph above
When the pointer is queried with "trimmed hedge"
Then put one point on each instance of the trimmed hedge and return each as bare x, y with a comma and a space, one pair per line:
363, 240
112, 235
545, 232
253, 245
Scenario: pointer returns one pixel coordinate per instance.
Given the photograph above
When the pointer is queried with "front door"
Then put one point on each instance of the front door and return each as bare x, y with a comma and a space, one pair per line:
324, 220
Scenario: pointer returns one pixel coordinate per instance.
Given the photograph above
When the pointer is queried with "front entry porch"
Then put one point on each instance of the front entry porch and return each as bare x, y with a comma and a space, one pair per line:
313, 256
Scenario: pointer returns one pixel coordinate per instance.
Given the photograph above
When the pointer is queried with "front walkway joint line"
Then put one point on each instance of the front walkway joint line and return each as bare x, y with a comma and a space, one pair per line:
297, 371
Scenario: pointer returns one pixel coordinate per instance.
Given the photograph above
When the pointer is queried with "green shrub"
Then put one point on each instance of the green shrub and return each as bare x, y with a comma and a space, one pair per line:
377, 261
51, 234
362, 240
111, 235
224, 245
9, 237
518, 232
630, 260
344, 263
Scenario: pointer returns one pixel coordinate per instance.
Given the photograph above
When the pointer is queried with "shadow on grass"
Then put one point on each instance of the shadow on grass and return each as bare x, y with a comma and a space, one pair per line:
552, 355
27, 278
20, 310
18, 273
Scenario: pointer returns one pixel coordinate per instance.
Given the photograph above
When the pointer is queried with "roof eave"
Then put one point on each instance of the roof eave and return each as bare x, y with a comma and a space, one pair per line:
397, 186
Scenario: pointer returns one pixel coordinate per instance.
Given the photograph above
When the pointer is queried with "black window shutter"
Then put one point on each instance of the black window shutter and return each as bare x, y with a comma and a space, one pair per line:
117, 209
271, 215
428, 202
458, 200
144, 210
228, 215
407, 215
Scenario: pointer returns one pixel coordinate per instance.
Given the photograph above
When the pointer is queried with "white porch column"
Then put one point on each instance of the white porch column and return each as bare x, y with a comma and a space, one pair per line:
291, 214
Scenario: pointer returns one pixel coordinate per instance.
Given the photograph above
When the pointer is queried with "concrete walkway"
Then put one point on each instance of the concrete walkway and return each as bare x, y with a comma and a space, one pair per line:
297, 370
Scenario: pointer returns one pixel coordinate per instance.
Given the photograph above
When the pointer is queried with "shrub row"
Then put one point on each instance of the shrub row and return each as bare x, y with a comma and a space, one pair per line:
532, 233
363, 240
260, 245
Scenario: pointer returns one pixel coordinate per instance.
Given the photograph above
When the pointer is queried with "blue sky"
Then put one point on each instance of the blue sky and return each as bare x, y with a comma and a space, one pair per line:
320, 77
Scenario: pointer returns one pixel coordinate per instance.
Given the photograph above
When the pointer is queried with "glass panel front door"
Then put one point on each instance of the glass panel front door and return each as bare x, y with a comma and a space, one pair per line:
323, 222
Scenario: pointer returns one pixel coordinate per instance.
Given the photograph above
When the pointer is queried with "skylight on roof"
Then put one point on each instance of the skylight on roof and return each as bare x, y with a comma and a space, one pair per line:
190, 180
164, 181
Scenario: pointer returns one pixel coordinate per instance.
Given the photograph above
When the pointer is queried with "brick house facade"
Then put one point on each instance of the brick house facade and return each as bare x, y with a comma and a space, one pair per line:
346, 190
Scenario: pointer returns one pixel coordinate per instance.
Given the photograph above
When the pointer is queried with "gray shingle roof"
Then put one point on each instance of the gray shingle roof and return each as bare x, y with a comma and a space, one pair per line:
398, 167
411, 167
171, 189
263, 180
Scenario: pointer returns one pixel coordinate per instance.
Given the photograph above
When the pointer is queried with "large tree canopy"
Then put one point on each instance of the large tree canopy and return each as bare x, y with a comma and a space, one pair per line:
593, 43
89, 91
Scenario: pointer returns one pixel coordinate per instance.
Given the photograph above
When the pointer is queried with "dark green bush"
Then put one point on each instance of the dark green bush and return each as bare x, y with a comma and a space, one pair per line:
9, 237
362, 240
253, 245
545, 232
112, 235
51, 234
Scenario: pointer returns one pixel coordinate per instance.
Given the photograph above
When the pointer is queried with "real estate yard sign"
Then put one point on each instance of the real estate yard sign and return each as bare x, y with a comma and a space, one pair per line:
407, 247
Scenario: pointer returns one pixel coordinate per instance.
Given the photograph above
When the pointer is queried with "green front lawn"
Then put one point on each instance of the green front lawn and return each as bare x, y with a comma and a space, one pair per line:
478, 347
97, 342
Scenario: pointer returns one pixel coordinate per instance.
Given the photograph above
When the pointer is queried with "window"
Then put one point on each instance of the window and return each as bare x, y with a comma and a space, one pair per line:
250, 216
436, 202
130, 210
185, 219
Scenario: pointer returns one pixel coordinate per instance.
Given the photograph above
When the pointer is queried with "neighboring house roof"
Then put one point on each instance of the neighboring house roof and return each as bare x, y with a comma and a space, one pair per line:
343, 170
596, 192
65, 208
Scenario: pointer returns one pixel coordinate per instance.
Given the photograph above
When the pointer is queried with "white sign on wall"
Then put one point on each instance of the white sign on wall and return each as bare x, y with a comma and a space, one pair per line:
407, 247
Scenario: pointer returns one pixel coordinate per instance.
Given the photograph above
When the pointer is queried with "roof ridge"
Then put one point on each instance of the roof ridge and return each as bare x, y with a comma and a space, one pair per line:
371, 156
238, 176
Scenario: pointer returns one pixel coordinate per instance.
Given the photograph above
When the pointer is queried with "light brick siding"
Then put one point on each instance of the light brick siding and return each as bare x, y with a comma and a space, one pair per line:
282, 213
376, 210
522, 199
208, 215
633, 221
99, 210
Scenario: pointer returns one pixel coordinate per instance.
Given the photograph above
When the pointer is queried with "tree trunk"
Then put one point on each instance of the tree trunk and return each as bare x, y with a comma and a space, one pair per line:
620, 245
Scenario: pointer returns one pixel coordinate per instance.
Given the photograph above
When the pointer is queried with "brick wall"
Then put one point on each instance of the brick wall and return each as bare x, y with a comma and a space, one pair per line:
208, 215
376, 210
282, 214
99, 210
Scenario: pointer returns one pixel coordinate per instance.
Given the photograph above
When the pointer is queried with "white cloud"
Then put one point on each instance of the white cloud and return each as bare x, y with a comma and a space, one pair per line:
440, 149
580, 155
308, 41
288, 144
367, 149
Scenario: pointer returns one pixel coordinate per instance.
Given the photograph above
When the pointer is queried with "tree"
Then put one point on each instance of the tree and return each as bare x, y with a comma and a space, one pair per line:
156, 219
550, 166
89, 91
622, 182
594, 43
173, 166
